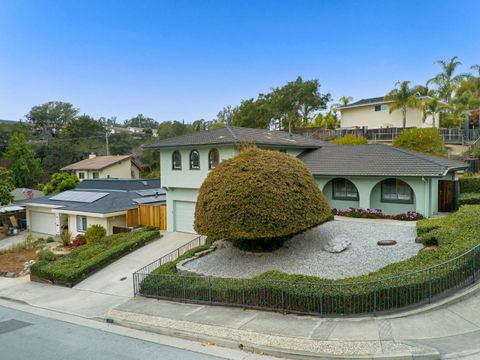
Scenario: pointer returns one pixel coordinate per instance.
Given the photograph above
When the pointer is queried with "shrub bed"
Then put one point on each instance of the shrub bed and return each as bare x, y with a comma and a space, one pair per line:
382, 290
377, 214
85, 260
469, 184
469, 199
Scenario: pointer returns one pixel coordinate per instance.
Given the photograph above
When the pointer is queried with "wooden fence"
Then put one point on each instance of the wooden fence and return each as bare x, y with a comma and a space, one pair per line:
148, 215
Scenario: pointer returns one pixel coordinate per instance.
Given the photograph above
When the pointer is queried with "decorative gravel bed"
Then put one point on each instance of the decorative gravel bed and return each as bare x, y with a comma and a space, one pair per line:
304, 254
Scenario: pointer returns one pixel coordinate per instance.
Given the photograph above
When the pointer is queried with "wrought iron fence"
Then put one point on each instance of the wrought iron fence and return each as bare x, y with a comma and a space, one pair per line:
316, 298
147, 269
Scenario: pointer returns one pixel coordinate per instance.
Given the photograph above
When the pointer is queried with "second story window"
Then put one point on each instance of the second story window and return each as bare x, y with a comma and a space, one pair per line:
213, 158
194, 160
382, 107
176, 160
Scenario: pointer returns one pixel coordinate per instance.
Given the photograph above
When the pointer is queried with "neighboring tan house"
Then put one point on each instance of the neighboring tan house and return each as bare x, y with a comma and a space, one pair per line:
104, 167
373, 113
107, 202
362, 176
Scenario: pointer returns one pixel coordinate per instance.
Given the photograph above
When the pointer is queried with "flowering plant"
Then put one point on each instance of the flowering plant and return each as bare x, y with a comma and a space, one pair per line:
377, 214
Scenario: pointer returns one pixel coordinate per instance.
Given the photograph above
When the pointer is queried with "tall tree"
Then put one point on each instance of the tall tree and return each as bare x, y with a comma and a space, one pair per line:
433, 107
402, 97
25, 167
226, 115
6, 186
82, 127
446, 81
52, 116
345, 100
253, 113
141, 121
168, 129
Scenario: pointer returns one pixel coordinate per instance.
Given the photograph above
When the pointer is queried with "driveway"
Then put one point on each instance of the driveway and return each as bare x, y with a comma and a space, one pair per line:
9, 241
116, 279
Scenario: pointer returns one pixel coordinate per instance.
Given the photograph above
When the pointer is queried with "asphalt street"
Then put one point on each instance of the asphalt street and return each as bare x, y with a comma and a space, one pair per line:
27, 336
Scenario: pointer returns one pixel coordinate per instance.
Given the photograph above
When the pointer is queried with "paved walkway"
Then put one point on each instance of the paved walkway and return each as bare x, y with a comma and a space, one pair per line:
116, 279
9, 241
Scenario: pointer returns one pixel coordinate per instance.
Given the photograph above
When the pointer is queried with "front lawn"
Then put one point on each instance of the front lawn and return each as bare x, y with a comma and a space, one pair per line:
84, 260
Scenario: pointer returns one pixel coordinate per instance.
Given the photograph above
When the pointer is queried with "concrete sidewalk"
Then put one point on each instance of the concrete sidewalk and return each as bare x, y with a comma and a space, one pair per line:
450, 329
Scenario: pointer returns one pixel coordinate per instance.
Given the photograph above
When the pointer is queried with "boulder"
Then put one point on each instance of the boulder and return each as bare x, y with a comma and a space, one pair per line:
337, 244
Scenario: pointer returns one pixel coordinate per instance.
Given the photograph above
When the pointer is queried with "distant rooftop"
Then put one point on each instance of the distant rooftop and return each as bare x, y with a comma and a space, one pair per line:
371, 101
97, 162
239, 135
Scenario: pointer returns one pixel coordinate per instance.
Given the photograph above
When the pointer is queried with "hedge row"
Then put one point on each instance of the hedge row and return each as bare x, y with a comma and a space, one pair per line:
469, 199
86, 259
469, 184
377, 214
377, 291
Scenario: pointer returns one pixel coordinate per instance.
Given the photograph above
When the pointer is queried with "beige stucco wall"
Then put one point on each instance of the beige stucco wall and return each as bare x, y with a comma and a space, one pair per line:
91, 220
367, 116
119, 220
122, 170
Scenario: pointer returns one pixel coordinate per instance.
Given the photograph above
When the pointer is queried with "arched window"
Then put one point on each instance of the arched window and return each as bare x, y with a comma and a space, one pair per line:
344, 189
176, 160
213, 158
194, 160
397, 191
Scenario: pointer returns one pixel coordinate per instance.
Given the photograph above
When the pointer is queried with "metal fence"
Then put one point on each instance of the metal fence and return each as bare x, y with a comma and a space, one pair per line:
315, 298
147, 269
449, 135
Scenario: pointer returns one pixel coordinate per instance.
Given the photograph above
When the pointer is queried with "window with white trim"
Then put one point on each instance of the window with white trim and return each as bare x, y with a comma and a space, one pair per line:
81, 223
194, 160
176, 160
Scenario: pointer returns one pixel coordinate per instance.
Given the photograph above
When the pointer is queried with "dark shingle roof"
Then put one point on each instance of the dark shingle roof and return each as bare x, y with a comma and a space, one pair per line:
119, 184
238, 135
365, 102
116, 200
375, 160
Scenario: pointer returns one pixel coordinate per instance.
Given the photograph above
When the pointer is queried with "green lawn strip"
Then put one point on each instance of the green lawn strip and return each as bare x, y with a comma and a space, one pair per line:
83, 261
455, 235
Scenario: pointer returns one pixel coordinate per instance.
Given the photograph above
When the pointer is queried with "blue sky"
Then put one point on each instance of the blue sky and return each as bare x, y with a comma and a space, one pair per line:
185, 60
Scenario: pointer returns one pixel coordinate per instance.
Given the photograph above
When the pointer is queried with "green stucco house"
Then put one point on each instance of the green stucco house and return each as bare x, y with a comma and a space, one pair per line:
361, 176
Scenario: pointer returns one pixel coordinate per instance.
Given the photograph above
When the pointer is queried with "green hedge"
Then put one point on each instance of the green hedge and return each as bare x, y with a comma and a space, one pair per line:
469, 199
86, 259
377, 291
469, 184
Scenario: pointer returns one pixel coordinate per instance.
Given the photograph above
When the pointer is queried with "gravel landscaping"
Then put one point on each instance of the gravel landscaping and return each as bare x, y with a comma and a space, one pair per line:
304, 254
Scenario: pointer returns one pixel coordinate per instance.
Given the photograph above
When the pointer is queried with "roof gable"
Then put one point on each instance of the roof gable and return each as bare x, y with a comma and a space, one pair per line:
97, 162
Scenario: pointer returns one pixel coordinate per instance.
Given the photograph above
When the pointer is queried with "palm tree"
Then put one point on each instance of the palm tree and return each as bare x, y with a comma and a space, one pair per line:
445, 80
402, 97
433, 107
345, 100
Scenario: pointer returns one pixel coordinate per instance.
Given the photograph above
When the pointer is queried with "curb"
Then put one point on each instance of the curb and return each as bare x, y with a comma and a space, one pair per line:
427, 354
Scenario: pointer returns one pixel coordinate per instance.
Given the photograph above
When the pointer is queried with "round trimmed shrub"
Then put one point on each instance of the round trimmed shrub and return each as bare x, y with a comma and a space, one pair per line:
94, 233
259, 195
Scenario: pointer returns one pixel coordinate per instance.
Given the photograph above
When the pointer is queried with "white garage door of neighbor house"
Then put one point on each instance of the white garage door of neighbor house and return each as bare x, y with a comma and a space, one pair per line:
43, 223
184, 215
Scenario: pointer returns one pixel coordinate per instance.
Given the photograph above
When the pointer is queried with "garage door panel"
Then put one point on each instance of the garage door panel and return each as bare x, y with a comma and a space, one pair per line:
42, 222
184, 216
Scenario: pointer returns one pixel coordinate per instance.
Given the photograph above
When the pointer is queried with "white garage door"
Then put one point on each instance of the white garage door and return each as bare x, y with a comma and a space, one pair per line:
184, 216
43, 223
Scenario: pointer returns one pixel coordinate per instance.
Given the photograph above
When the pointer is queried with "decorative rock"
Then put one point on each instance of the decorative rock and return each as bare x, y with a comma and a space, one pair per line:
10, 274
26, 267
418, 240
386, 242
428, 248
337, 244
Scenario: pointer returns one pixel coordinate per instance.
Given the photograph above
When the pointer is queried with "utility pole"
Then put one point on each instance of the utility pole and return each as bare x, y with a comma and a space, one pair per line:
106, 142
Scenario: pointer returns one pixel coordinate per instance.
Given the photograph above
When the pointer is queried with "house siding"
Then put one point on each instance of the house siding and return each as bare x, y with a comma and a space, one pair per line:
367, 116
